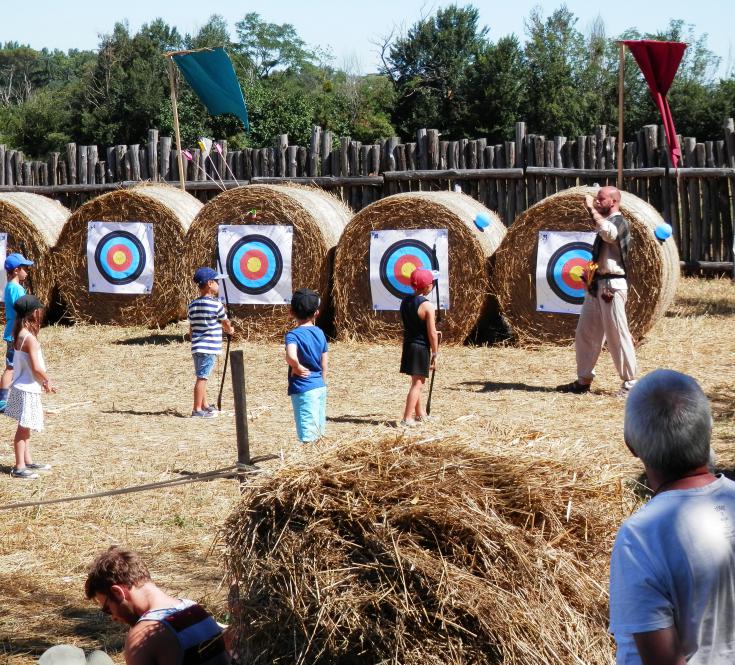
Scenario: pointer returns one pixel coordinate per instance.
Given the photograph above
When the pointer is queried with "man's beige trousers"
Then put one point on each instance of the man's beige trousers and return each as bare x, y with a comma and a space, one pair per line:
601, 322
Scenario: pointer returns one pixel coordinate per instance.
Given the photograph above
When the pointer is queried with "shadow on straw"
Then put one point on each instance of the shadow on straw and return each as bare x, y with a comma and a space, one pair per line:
493, 386
155, 340
135, 412
358, 420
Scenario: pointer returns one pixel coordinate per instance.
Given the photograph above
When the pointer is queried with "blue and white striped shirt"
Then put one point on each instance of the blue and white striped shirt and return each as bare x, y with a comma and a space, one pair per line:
205, 317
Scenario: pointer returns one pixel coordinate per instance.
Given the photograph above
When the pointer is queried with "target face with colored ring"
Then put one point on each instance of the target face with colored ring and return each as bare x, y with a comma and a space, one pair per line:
120, 257
565, 271
254, 264
400, 260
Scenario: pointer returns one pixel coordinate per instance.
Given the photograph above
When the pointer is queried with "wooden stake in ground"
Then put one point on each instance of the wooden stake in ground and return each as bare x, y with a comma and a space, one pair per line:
438, 318
621, 94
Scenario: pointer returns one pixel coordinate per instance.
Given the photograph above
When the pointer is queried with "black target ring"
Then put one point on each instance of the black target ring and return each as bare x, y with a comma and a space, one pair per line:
392, 281
267, 251
129, 241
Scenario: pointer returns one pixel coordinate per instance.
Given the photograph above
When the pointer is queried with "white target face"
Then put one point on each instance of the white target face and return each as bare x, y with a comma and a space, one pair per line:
120, 257
257, 262
561, 262
394, 255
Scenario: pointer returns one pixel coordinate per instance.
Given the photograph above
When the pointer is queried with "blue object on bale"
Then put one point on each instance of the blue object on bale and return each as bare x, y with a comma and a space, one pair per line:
211, 75
663, 231
482, 221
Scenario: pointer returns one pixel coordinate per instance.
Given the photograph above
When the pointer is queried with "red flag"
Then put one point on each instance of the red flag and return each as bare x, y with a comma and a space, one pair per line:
658, 62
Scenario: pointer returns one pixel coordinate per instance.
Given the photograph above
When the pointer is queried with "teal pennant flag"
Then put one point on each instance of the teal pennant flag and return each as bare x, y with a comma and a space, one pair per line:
212, 77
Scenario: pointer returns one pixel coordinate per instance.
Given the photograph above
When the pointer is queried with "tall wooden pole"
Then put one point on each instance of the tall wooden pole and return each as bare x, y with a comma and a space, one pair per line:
237, 363
180, 157
621, 88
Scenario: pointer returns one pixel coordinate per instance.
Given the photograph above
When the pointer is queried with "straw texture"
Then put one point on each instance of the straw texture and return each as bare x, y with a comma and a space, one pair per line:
171, 211
33, 224
470, 254
653, 267
317, 218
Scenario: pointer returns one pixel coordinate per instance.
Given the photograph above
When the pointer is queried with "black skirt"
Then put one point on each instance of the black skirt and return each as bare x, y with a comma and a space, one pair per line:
415, 359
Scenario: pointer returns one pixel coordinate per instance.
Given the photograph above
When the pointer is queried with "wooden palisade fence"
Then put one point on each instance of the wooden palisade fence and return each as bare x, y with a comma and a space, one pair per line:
696, 199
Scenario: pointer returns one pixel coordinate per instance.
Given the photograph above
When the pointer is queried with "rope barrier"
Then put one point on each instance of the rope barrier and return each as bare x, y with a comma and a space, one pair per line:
173, 482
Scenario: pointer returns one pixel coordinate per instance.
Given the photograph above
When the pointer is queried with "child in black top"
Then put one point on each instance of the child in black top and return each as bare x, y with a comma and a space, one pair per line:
420, 338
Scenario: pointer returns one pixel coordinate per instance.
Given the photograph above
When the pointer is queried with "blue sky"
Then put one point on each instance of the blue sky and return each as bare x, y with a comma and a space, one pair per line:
348, 28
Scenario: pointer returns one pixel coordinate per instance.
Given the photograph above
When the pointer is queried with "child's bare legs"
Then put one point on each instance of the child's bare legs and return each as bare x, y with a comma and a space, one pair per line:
413, 399
22, 447
200, 394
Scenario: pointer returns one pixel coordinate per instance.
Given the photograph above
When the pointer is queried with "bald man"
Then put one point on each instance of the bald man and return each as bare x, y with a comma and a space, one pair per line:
603, 316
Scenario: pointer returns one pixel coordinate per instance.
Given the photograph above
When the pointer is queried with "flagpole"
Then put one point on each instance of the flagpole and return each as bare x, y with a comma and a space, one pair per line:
174, 106
621, 88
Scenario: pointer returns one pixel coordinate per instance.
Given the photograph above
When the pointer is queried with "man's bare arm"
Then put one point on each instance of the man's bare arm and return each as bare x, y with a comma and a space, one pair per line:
660, 647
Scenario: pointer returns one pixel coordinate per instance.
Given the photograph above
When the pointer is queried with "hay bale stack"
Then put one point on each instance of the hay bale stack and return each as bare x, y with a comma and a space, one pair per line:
653, 267
470, 252
418, 552
171, 212
317, 218
33, 224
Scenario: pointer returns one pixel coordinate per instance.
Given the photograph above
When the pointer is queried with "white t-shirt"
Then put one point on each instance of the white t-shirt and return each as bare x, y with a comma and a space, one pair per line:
673, 564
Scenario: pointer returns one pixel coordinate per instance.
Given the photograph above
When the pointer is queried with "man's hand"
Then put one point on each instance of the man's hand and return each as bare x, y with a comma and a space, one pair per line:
589, 203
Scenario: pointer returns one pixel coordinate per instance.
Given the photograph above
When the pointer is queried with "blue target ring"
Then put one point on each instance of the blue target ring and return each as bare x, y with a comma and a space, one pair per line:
120, 257
254, 264
564, 271
400, 260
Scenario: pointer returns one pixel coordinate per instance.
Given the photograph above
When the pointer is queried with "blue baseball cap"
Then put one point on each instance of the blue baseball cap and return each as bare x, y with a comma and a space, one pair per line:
203, 275
13, 261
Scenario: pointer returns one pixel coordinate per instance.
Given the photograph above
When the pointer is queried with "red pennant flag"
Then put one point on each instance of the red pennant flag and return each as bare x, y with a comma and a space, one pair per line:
658, 62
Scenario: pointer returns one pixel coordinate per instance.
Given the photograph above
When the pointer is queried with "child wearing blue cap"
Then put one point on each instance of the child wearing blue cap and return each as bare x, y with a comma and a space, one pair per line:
16, 268
207, 320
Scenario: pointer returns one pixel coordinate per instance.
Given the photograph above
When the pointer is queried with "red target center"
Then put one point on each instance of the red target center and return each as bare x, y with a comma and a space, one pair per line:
253, 264
572, 273
404, 268
119, 257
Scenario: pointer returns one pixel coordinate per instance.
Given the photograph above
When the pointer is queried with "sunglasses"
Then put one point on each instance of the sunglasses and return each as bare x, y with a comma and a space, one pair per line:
106, 606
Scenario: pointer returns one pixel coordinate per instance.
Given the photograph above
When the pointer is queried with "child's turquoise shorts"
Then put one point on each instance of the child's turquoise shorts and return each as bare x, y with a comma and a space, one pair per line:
310, 414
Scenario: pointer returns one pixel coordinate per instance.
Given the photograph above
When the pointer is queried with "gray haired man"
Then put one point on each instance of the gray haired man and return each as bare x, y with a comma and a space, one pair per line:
672, 571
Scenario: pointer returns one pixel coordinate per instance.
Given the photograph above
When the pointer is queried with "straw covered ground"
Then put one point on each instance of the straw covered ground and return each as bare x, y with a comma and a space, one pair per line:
523, 487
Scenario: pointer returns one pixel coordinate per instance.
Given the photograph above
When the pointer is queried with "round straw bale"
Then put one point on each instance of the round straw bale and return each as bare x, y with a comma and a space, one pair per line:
470, 254
423, 552
33, 224
317, 218
171, 211
652, 270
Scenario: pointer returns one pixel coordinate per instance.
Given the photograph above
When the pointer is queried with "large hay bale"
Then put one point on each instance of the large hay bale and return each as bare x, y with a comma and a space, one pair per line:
317, 218
470, 254
171, 212
422, 552
653, 267
33, 224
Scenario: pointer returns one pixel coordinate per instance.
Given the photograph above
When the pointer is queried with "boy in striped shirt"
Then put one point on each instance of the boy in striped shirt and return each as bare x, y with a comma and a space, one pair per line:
207, 320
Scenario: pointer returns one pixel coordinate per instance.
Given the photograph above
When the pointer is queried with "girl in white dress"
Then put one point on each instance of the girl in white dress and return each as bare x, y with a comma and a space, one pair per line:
29, 381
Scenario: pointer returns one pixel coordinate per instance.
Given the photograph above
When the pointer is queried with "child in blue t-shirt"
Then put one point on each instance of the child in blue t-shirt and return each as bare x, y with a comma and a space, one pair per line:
307, 357
16, 268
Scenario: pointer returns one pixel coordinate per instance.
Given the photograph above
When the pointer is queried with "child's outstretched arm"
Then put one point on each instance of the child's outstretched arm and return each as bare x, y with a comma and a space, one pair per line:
292, 358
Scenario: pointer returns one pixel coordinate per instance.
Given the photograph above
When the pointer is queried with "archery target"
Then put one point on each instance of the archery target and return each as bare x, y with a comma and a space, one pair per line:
257, 262
3, 256
562, 258
120, 257
394, 255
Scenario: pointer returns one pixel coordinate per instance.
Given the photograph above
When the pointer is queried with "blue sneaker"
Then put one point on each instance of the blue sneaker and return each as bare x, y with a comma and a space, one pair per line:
3, 404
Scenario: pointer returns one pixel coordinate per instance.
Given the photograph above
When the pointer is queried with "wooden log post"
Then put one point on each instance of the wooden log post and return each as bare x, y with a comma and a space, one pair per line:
143, 161
100, 172
411, 156
520, 145
292, 165
92, 159
315, 151
443, 154
280, 155
237, 363
600, 136
82, 165
152, 155
53, 169
133, 158
71, 158
344, 156
43, 173
364, 166
326, 153
63, 180
2, 164
111, 167
355, 157
690, 146
422, 149
480, 146
27, 173
164, 159
375, 153
432, 149
650, 133
729, 142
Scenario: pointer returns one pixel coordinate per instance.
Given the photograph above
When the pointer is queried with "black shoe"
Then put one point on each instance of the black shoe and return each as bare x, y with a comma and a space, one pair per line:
575, 387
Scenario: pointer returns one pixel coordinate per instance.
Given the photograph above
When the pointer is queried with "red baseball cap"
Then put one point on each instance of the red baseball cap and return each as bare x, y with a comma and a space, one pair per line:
421, 278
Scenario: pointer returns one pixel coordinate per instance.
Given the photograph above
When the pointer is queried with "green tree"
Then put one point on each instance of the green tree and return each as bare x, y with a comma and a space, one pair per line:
497, 90
429, 68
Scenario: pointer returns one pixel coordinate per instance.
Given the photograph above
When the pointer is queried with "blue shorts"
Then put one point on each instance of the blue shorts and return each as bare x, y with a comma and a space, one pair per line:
203, 364
9, 355
310, 414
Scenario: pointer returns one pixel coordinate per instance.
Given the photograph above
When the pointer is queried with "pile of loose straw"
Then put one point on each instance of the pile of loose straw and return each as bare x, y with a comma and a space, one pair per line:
435, 551
653, 267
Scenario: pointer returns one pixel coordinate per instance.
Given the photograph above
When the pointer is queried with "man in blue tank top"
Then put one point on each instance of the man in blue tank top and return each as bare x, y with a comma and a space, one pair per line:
163, 630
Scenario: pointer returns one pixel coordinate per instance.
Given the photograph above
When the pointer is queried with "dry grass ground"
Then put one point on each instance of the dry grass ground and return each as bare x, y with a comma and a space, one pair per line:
119, 419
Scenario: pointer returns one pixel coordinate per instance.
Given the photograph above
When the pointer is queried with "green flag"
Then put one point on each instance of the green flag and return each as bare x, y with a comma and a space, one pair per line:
212, 77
